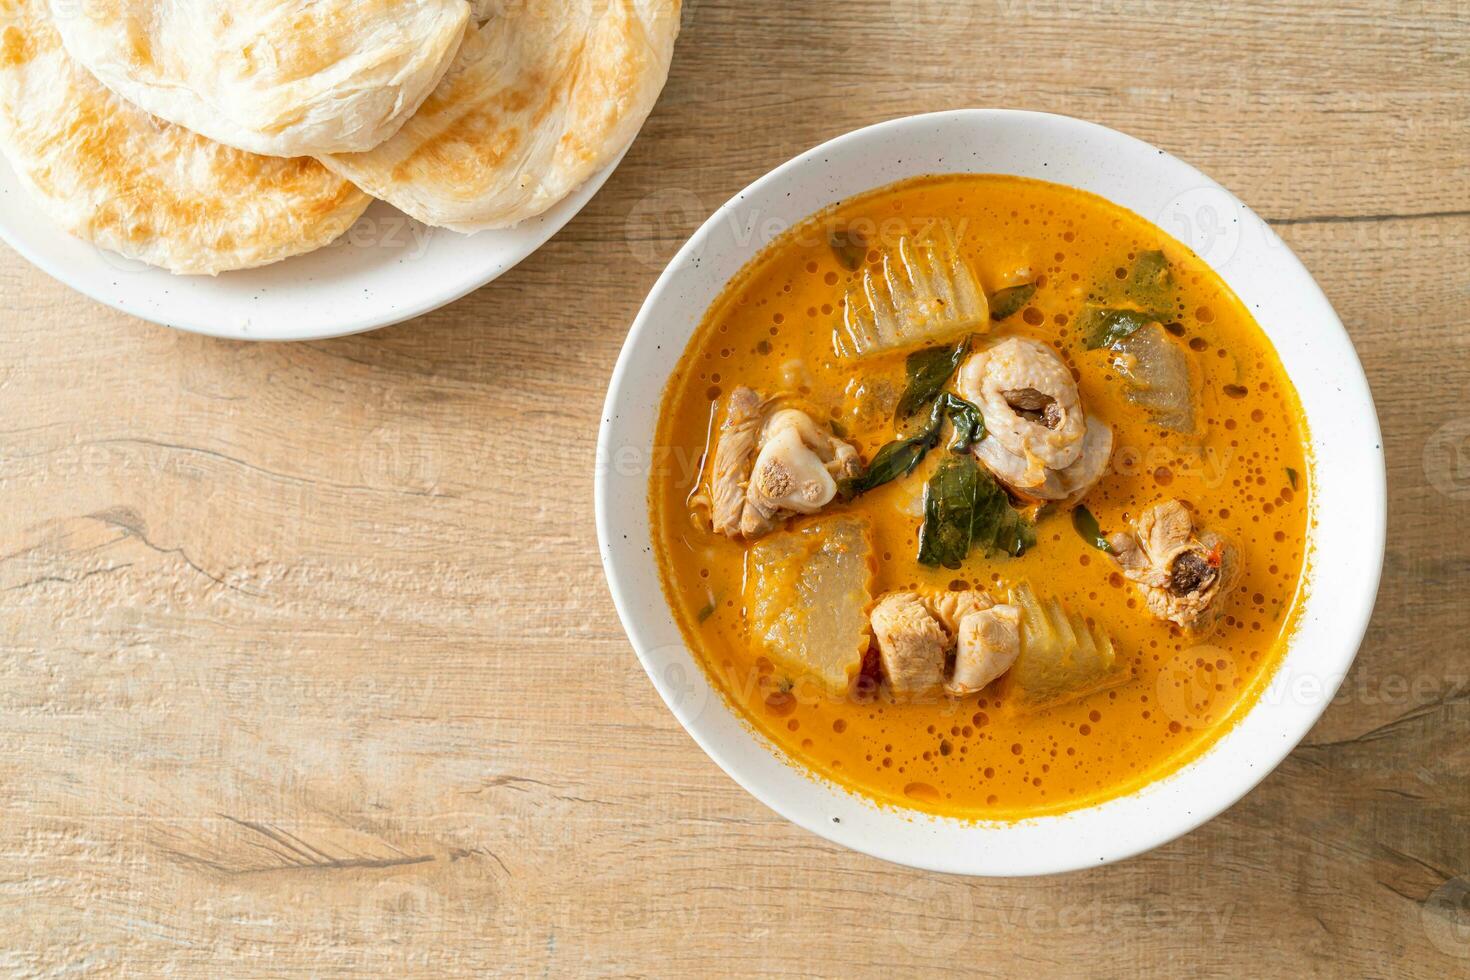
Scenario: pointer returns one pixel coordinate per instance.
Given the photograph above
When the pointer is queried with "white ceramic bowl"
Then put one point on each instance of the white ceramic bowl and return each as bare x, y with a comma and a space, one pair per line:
1349, 486
386, 268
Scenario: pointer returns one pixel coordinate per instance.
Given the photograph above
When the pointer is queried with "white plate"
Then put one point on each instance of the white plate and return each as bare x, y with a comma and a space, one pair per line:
386, 268
1348, 503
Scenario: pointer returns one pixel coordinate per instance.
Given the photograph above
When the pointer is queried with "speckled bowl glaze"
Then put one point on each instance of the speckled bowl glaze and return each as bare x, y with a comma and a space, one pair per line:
1349, 509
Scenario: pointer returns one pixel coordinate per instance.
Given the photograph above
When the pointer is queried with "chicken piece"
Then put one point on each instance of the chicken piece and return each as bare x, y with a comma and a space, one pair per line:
1067, 485
1184, 577
950, 608
1038, 440
733, 455
797, 465
986, 645
911, 643
1029, 402
771, 464
915, 634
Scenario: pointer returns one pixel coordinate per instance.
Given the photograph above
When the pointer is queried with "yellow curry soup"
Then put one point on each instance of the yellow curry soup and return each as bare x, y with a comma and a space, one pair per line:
1242, 473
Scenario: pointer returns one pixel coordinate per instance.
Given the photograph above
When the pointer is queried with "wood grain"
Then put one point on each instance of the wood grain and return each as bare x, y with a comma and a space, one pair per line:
307, 665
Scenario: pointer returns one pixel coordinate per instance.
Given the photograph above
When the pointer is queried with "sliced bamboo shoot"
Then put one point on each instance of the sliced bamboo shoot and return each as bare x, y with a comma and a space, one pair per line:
1062, 657
924, 292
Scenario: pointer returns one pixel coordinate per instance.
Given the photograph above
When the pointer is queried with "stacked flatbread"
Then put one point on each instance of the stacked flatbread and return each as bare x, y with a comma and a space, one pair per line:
204, 135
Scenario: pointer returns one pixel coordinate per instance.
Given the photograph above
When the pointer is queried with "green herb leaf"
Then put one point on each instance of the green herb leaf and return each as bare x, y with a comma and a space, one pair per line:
1104, 327
893, 460
1291, 475
708, 609
849, 247
1087, 526
964, 506
928, 370
1008, 302
899, 458
968, 423
1150, 277
950, 499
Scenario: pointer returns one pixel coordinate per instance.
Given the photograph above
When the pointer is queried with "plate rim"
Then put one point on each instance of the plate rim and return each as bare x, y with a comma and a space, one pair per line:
546, 225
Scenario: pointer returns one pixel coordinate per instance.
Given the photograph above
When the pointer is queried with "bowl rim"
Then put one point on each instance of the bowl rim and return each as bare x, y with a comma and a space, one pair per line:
1349, 621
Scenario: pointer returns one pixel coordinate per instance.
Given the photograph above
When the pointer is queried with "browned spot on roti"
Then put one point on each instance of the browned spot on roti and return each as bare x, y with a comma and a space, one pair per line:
15, 48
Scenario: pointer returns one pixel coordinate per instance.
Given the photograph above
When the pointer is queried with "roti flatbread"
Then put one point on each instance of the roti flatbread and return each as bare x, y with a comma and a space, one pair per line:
280, 77
540, 97
108, 172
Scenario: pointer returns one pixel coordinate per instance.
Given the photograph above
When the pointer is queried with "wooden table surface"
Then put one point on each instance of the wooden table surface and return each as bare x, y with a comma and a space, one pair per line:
308, 661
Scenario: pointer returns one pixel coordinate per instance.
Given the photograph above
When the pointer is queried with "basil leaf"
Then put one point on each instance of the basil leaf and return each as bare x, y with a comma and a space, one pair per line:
849, 247
1010, 534
928, 370
964, 506
1104, 327
1008, 302
1149, 286
1005, 529
1291, 475
1150, 276
899, 458
950, 499
968, 423
1087, 526
893, 460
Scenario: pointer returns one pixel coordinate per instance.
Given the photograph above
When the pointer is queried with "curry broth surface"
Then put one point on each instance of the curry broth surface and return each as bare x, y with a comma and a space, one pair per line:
980, 758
